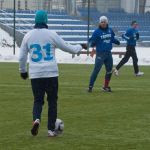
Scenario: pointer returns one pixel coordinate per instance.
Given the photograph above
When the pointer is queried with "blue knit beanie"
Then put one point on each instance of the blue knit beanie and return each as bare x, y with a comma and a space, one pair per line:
41, 17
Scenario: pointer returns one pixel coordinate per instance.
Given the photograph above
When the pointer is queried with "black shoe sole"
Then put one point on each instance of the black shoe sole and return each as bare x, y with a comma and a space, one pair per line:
35, 128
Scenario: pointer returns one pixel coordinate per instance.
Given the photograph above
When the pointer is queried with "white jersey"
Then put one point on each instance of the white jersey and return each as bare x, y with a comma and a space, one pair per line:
41, 44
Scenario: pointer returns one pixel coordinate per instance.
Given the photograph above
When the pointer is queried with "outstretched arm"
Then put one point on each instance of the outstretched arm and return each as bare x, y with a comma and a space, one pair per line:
128, 35
116, 41
60, 43
124, 36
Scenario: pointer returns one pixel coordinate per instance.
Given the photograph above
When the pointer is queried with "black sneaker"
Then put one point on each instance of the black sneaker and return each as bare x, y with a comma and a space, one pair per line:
90, 90
35, 128
106, 89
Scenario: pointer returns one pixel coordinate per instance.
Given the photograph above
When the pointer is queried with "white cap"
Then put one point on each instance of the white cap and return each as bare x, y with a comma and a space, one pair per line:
103, 18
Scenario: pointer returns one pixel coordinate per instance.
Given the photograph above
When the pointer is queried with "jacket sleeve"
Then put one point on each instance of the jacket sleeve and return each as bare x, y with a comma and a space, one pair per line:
61, 44
114, 40
127, 35
93, 39
23, 54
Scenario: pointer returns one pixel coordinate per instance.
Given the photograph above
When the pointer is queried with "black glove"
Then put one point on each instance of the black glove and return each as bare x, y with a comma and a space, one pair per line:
137, 36
117, 42
24, 75
84, 46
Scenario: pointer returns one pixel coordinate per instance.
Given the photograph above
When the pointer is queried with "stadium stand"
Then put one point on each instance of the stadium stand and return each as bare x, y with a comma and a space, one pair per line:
74, 28
70, 28
121, 20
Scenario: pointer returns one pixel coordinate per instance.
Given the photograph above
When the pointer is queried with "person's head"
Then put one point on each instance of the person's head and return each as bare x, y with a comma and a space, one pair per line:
41, 17
103, 22
134, 24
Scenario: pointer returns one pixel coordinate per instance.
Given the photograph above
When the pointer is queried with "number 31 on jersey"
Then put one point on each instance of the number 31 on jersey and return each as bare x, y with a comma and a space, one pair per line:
41, 52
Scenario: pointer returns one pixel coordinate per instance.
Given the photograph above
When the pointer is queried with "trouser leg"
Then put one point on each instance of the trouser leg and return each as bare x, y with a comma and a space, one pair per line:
98, 65
135, 61
108, 65
124, 59
38, 93
52, 96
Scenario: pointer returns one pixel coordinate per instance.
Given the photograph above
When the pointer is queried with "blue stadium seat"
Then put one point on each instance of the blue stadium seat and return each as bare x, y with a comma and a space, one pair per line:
70, 26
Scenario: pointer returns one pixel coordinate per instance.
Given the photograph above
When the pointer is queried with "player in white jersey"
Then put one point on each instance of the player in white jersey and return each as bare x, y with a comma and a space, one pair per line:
40, 44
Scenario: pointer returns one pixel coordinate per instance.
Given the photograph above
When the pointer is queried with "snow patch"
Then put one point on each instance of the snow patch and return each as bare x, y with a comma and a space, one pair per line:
6, 53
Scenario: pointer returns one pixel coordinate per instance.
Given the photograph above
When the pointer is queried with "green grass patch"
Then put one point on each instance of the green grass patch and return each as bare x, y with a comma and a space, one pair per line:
93, 121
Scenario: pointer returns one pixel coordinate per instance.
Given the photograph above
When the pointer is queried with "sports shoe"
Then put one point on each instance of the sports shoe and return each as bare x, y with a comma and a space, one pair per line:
52, 133
35, 128
106, 89
139, 74
116, 72
89, 89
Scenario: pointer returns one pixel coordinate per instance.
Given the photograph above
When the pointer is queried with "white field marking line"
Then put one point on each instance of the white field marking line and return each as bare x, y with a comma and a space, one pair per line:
114, 89
99, 136
127, 89
13, 85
